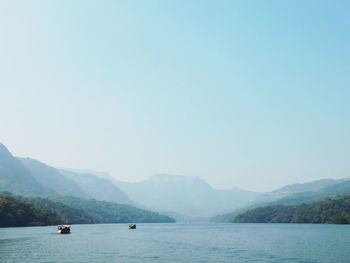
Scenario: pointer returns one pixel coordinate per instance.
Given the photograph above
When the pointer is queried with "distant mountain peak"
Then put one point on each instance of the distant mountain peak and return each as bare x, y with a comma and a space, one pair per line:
50, 178
312, 186
15, 178
3, 150
98, 187
2, 146
190, 196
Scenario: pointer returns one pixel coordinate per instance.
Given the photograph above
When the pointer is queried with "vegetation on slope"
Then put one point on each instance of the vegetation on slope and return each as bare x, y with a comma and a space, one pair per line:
108, 212
21, 211
331, 211
332, 191
227, 218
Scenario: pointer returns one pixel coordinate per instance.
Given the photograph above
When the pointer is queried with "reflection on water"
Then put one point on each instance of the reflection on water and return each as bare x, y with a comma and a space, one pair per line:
178, 243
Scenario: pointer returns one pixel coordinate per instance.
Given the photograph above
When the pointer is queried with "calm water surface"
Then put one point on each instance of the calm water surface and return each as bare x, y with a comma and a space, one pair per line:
178, 243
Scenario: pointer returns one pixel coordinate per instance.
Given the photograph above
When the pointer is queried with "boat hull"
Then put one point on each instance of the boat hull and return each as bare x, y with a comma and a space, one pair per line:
65, 229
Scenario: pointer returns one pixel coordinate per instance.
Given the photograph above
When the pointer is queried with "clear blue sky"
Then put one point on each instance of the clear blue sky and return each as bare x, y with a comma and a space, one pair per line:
248, 93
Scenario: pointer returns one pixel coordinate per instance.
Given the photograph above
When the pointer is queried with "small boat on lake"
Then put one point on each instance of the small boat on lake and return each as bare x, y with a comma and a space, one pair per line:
132, 226
63, 229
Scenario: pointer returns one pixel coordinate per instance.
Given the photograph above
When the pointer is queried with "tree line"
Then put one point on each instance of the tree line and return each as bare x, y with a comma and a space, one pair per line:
35, 211
327, 211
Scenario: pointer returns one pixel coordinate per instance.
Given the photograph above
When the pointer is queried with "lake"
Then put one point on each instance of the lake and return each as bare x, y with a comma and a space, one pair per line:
178, 243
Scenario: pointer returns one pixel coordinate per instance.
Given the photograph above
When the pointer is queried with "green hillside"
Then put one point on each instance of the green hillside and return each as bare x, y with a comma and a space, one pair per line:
332, 191
330, 211
109, 212
21, 211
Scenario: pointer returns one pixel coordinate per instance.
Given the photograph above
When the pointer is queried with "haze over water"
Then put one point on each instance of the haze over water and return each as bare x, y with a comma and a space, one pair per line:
178, 243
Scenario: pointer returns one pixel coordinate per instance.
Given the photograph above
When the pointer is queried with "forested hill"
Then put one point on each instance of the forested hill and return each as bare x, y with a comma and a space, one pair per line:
329, 211
109, 212
328, 189
20, 211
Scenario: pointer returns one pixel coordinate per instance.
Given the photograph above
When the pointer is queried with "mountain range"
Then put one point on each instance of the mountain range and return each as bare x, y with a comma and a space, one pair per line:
295, 194
29, 177
16, 178
45, 195
182, 197
185, 195
52, 179
98, 188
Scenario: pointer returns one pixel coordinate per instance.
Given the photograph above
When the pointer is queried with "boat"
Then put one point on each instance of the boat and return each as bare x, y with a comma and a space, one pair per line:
63, 229
132, 226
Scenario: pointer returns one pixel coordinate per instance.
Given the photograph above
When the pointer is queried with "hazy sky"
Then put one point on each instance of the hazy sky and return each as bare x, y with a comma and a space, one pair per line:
248, 93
